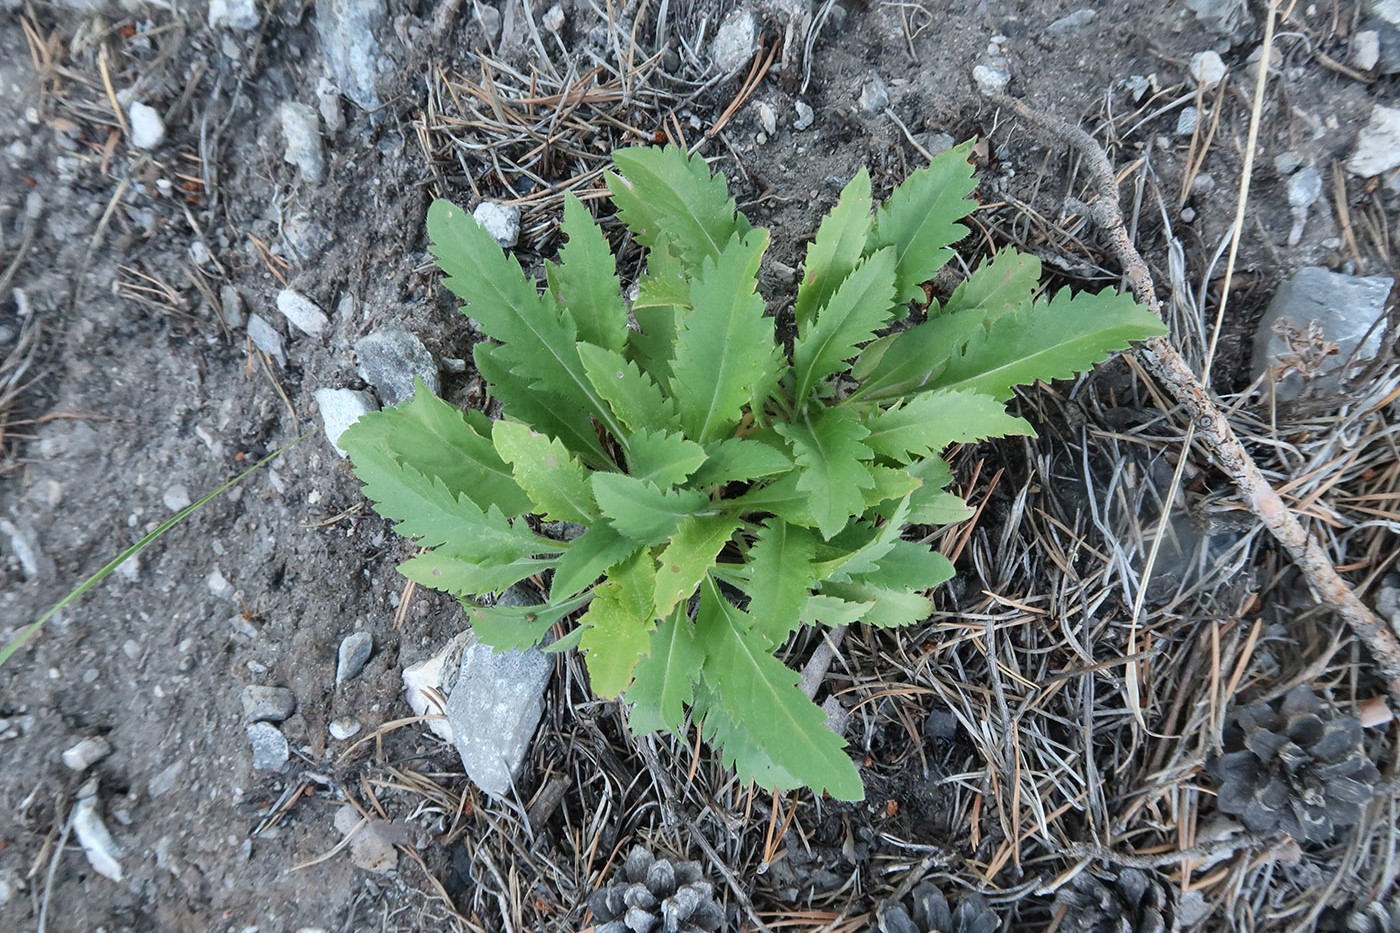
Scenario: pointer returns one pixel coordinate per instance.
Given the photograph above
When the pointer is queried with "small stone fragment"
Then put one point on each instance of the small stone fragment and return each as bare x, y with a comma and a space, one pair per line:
735, 41
1366, 49
176, 497
1207, 69
934, 143
266, 338
268, 704
87, 753
422, 680
805, 117
991, 79
347, 29
147, 128
270, 749
164, 782
1074, 21
1304, 188
218, 584
767, 118
1226, 17
240, 15
502, 221
1378, 146
1186, 121
24, 544
391, 359
344, 728
341, 408
873, 95
553, 19
231, 304
301, 133
97, 842
328, 105
302, 313
355, 650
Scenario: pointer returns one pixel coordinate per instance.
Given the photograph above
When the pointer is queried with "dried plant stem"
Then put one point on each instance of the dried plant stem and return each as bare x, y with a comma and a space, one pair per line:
1167, 366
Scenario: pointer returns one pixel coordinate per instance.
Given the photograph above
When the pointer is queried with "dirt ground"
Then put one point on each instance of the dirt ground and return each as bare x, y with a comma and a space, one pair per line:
135, 387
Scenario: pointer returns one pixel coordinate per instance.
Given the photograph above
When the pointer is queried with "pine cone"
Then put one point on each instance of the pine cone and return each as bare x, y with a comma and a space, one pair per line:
932, 914
652, 895
1132, 902
1293, 767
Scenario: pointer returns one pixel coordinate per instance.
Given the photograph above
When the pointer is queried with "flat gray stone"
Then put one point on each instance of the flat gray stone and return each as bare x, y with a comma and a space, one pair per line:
873, 95
1378, 146
270, 749
301, 134
389, 359
87, 753
266, 338
347, 29
736, 40
355, 650
341, 408
302, 313
240, 15
1345, 309
164, 782
268, 704
97, 842
1384, 21
1072, 23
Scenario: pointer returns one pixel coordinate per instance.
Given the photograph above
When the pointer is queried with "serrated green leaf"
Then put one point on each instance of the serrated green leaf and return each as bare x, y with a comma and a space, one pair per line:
930, 504
780, 578
618, 624
666, 195
734, 745
437, 440
902, 363
823, 609
641, 511
829, 451
1052, 340
663, 297
544, 468
861, 305
688, 557
589, 556
662, 681
890, 484
630, 393
836, 250
922, 426
554, 415
461, 575
908, 565
737, 459
920, 219
888, 608
860, 546
515, 628
760, 695
664, 458
585, 282
781, 497
725, 345
1006, 282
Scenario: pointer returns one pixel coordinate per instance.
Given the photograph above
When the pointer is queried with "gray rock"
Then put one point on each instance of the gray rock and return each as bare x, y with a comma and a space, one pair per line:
266, 338
934, 143
241, 15
97, 842
424, 680
231, 303
1366, 49
1384, 20
218, 584
553, 19
147, 128
493, 710
1304, 188
389, 360
301, 133
270, 749
341, 408
1378, 146
24, 544
268, 704
735, 41
371, 841
502, 221
873, 95
1207, 69
344, 728
164, 782
1345, 308
347, 29
176, 497
1224, 17
328, 103
767, 118
805, 117
87, 753
1186, 121
991, 79
1072, 23
302, 313
355, 650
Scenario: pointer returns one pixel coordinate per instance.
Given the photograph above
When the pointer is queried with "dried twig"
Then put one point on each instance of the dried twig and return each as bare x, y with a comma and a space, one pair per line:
1166, 364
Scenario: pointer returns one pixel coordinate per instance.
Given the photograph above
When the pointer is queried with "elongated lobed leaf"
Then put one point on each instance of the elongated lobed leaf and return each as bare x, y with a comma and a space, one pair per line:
663, 457
920, 219
860, 306
1052, 340
588, 558
630, 393
666, 195
1006, 282
639, 510
556, 415
738, 459
461, 575
515, 628
780, 578
662, 681
688, 557
585, 283
832, 458
735, 746
837, 249
898, 364
925, 424
544, 468
618, 624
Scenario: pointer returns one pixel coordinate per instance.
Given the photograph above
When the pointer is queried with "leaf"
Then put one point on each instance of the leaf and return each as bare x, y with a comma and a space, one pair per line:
828, 448
861, 305
836, 250
930, 504
589, 556
544, 468
735, 745
888, 608
902, 363
662, 680
861, 545
629, 392
641, 511
827, 610
688, 556
436, 439
737, 459
781, 497
908, 565
618, 624
760, 695
920, 219
1052, 340
890, 484
780, 578
725, 345
925, 424
666, 195
463, 575
552, 414
515, 628
585, 281
664, 458
1004, 283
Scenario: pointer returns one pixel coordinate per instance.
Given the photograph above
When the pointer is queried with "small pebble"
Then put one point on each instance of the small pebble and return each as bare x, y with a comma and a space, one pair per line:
270, 749
341, 408
162, 783
1074, 21
1366, 50
87, 753
1188, 215
345, 727
240, 15
268, 704
147, 128
990, 79
132, 649
1207, 69
355, 650
1186, 121
176, 497
302, 313
553, 19
266, 338
767, 118
97, 842
301, 133
502, 221
873, 96
231, 303
391, 359
218, 584
735, 41
805, 116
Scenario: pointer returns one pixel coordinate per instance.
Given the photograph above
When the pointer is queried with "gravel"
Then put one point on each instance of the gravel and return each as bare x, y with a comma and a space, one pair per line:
266, 338
270, 749
341, 408
735, 41
239, 15
805, 116
1207, 69
302, 313
354, 653
268, 704
97, 842
1378, 146
87, 753
347, 29
873, 95
502, 221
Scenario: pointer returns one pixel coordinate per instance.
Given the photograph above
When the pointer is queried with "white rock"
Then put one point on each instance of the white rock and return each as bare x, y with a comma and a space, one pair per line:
502, 221
391, 359
344, 728
1186, 121
553, 19
97, 842
176, 497
241, 15
218, 584
341, 408
990, 79
1378, 146
302, 313
266, 338
350, 46
735, 41
87, 753
270, 748
301, 132
147, 128
1366, 49
767, 118
328, 103
805, 117
423, 680
24, 544
1207, 69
